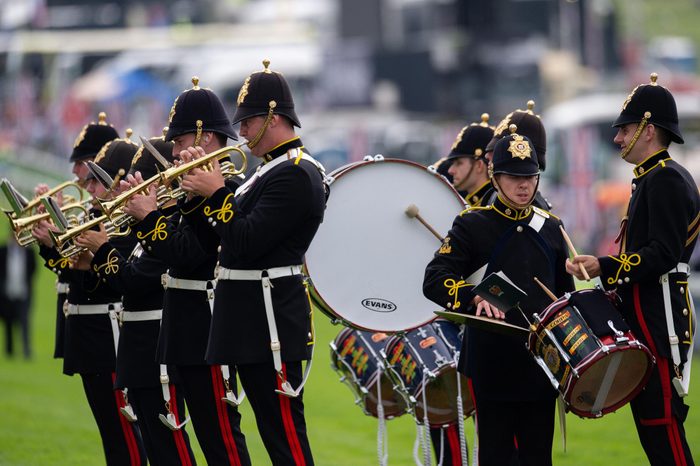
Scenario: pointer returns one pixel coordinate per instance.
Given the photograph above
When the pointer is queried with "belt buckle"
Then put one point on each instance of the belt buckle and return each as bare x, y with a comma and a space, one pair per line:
164, 280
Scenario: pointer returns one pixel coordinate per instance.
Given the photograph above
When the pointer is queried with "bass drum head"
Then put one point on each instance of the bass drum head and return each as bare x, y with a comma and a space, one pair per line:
368, 258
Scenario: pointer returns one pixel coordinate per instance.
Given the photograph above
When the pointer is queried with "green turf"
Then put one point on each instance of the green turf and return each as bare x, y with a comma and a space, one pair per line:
45, 420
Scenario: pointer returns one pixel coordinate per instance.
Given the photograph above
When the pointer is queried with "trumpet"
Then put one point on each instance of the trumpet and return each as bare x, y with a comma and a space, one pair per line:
228, 169
63, 241
56, 189
22, 226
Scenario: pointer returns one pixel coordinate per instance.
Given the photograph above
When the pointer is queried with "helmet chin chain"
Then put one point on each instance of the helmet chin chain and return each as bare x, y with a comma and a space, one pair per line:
506, 200
256, 139
637, 133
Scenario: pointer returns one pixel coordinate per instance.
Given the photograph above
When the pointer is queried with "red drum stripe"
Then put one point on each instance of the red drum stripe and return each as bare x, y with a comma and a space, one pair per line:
134, 456
455, 449
217, 383
288, 422
177, 434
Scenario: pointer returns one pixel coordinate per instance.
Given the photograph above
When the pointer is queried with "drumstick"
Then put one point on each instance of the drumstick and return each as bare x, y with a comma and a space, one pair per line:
573, 251
545, 289
412, 212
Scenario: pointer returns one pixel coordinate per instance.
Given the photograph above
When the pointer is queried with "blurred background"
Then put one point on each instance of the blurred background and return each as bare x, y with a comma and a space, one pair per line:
397, 77
392, 77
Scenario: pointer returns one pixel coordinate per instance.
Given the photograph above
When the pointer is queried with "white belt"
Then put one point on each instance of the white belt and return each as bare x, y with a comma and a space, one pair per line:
681, 384
111, 309
222, 273
680, 268
183, 284
90, 309
140, 316
62, 288
265, 276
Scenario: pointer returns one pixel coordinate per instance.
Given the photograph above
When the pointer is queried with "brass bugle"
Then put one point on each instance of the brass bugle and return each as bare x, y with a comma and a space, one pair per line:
22, 226
108, 207
56, 189
63, 242
173, 173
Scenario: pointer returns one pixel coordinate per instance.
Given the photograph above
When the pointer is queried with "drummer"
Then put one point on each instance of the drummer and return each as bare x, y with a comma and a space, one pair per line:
650, 272
468, 168
514, 398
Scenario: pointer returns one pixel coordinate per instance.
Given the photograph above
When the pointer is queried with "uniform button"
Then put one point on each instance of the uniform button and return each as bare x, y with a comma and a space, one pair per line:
309, 335
143, 242
682, 290
210, 220
104, 280
508, 211
687, 334
449, 305
213, 223
150, 248
218, 249
627, 279
685, 312
53, 269
520, 229
619, 282
634, 186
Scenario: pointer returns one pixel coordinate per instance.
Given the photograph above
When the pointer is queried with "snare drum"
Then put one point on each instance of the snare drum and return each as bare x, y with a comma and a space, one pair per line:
355, 356
368, 257
426, 359
589, 353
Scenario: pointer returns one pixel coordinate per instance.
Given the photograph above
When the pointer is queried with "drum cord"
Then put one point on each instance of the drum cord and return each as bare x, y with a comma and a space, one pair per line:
460, 420
382, 440
426, 428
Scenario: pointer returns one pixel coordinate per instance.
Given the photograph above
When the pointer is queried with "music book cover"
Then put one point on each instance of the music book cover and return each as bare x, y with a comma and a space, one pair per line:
499, 291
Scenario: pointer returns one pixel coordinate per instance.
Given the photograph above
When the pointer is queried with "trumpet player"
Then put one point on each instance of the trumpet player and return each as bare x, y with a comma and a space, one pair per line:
265, 227
91, 325
86, 146
153, 393
188, 245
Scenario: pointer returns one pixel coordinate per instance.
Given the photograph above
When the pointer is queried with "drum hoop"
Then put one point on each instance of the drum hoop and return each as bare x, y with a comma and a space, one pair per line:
308, 273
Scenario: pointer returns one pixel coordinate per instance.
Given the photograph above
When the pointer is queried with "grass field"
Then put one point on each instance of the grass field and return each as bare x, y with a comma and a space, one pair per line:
46, 421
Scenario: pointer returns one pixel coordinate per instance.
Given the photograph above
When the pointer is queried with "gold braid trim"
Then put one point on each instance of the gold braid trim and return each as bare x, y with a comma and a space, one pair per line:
626, 262
225, 213
158, 233
453, 287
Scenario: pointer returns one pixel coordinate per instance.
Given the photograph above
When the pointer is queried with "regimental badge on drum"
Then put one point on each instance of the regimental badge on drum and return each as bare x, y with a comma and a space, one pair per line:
446, 248
551, 358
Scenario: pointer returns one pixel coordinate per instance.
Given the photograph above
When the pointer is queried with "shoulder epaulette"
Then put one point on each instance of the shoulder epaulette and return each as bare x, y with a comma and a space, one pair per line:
475, 208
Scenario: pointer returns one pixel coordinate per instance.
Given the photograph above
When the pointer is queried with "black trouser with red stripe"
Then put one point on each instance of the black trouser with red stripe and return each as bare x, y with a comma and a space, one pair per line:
216, 423
659, 414
446, 445
121, 439
280, 419
164, 447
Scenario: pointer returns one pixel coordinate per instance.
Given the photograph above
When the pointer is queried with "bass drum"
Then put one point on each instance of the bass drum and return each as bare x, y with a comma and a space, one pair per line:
368, 257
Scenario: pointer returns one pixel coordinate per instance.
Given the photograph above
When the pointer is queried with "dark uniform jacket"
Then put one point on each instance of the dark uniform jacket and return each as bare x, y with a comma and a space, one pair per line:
138, 279
663, 220
89, 341
481, 196
270, 225
188, 245
500, 366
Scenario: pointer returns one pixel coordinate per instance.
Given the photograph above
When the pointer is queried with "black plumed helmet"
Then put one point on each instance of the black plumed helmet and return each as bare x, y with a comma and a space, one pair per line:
265, 91
530, 125
91, 139
656, 101
196, 110
146, 163
472, 140
116, 155
514, 155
